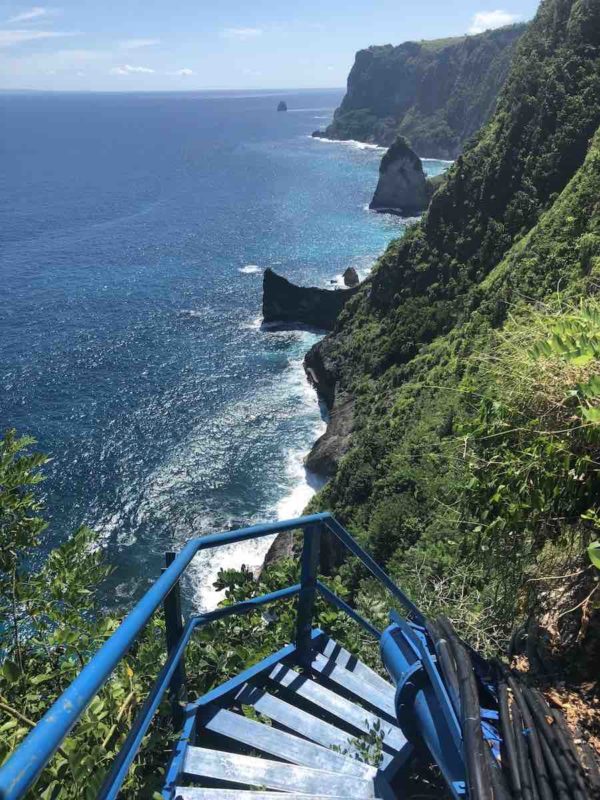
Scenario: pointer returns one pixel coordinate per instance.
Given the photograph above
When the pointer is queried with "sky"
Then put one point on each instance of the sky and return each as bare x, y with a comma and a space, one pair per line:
150, 45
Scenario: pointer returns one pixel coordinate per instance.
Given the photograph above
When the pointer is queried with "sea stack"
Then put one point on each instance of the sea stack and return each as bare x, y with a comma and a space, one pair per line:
282, 106
350, 277
402, 187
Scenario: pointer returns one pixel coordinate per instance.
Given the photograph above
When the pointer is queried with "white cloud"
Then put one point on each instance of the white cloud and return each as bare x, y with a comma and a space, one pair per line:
185, 72
241, 33
135, 44
11, 38
34, 13
487, 20
127, 69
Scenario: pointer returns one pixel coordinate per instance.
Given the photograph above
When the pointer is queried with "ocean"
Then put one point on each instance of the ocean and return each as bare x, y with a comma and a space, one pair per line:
134, 229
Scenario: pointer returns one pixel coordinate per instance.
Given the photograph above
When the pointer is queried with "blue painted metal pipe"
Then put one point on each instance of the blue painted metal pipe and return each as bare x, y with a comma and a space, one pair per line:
120, 767
423, 708
23, 767
114, 780
26, 763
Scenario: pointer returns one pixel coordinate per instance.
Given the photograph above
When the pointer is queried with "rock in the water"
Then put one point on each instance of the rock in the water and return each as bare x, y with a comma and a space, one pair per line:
351, 277
282, 106
287, 303
402, 186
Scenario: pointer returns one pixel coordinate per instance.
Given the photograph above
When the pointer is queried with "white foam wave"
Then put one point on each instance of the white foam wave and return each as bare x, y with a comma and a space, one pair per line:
250, 269
438, 160
190, 312
350, 143
253, 325
298, 486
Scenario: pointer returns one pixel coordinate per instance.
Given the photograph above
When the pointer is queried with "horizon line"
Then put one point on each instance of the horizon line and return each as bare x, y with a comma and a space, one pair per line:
8, 90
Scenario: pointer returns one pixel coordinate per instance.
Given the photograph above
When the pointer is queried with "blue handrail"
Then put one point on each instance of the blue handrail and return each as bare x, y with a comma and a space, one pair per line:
25, 764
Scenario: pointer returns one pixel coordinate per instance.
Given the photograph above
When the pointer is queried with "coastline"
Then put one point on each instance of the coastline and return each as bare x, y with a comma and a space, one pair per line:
301, 486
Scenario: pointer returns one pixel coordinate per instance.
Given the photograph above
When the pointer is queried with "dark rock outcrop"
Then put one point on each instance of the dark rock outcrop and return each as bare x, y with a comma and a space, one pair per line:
329, 448
284, 302
435, 93
350, 277
402, 187
282, 106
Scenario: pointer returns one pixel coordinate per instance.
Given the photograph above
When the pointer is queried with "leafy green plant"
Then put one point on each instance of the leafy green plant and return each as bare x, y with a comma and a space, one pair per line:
594, 553
367, 748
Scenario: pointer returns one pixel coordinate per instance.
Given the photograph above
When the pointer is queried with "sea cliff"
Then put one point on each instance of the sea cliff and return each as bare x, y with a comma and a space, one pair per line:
437, 94
467, 469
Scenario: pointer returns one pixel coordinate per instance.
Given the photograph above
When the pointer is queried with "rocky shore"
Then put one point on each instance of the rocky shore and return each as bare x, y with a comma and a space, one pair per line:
288, 304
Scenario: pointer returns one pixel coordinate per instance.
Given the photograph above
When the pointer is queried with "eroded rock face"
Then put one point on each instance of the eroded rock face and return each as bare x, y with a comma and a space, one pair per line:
437, 94
286, 303
351, 277
329, 448
402, 186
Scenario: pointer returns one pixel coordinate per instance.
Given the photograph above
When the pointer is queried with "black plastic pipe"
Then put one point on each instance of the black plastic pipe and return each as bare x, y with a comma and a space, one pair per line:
560, 786
537, 758
571, 779
479, 783
522, 753
510, 760
447, 665
563, 734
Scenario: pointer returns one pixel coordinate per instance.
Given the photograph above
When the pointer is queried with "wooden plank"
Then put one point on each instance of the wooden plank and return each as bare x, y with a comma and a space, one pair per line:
260, 772
340, 707
353, 684
192, 793
295, 719
345, 659
283, 745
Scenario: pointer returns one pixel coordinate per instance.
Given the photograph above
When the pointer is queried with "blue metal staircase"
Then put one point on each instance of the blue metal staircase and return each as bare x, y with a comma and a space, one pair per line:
290, 726
304, 732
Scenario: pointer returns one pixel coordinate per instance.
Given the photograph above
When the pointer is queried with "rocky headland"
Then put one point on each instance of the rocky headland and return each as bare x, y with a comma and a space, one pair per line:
435, 93
287, 304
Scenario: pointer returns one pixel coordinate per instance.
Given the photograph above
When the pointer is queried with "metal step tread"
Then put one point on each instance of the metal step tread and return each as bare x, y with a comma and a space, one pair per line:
333, 650
338, 706
355, 685
280, 744
295, 719
244, 770
193, 793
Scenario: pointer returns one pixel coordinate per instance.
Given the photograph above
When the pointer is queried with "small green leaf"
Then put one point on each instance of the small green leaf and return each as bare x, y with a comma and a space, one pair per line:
592, 414
594, 553
10, 671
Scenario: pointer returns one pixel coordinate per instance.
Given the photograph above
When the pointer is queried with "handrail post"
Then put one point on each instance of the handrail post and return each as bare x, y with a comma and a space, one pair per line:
174, 630
308, 588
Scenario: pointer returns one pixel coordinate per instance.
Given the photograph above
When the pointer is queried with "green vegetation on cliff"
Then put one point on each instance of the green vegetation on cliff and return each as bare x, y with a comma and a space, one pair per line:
437, 94
472, 360
444, 477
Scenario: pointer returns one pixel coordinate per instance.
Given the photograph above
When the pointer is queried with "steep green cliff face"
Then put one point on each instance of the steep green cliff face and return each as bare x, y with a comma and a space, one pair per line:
436, 94
517, 220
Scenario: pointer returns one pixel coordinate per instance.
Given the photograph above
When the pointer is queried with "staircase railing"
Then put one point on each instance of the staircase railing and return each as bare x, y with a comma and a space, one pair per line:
23, 767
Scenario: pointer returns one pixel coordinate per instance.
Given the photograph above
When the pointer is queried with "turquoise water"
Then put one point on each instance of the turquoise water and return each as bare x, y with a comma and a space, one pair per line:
134, 230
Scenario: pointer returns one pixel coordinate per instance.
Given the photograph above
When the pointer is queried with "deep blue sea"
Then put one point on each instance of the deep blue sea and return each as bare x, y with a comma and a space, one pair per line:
134, 229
